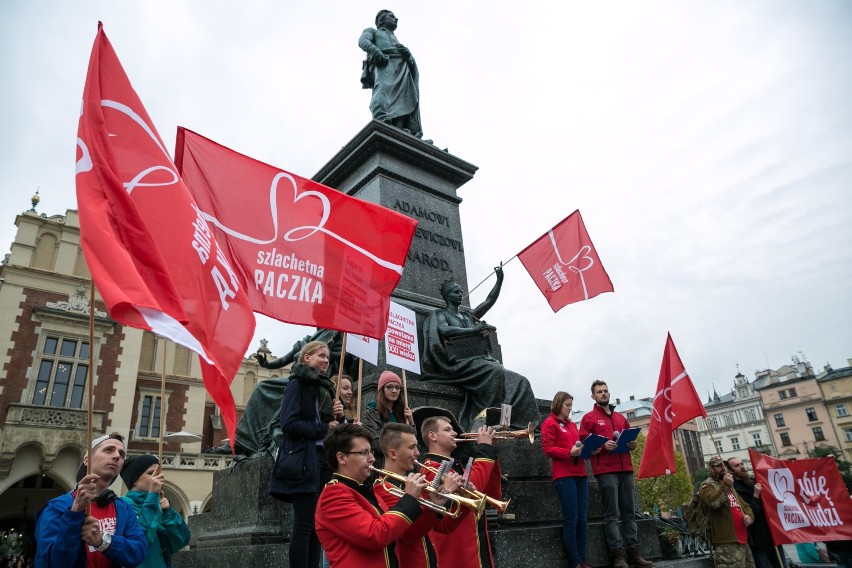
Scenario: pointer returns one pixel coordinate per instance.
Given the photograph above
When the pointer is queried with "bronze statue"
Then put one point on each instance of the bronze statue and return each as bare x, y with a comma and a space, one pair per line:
455, 352
391, 72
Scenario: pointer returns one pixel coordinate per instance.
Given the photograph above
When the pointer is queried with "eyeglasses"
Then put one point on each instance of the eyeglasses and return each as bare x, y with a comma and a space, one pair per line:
362, 453
393, 387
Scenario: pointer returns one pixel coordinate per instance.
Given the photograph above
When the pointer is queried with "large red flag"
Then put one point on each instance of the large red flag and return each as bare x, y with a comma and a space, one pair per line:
804, 500
565, 265
150, 251
307, 254
676, 402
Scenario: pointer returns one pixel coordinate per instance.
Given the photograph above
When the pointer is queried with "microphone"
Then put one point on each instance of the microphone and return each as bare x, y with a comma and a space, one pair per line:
615, 436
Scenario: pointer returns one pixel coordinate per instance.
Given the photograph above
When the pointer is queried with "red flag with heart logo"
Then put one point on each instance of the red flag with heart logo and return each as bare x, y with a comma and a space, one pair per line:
803, 500
308, 254
151, 253
675, 403
565, 265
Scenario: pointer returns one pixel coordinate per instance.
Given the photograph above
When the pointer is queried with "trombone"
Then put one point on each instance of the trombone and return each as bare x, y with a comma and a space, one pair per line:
529, 433
501, 506
476, 505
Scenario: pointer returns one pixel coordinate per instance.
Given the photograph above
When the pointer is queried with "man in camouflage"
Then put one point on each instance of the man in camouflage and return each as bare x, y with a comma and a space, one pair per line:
728, 516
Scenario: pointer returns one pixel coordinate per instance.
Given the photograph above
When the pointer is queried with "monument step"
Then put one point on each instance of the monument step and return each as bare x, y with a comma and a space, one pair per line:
699, 562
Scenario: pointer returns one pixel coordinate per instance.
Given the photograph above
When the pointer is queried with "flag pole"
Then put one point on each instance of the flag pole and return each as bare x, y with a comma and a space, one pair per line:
502, 264
340, 367
360, 377
91, 396
162, 406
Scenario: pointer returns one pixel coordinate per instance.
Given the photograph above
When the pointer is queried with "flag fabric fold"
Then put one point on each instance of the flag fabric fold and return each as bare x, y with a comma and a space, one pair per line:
306, 254
565, 265
803, 500
675, 403
151, 254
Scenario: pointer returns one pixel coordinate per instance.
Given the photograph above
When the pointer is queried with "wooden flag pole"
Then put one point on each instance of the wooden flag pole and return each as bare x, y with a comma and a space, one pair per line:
162, 407
91, 395
340, 367
360, 381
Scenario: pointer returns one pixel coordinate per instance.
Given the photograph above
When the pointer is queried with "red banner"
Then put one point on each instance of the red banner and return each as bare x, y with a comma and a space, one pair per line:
804, 500
564, 264
675, 403
151, 253
308, 254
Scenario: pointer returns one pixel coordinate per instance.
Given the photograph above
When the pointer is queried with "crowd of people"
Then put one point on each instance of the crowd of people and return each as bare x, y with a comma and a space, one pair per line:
363, 495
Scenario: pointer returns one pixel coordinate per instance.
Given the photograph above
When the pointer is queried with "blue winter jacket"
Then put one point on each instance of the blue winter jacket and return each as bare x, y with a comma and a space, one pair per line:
58, 543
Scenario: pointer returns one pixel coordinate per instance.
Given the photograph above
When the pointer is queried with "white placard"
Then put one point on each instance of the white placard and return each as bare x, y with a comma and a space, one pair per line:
363, 347
401, 347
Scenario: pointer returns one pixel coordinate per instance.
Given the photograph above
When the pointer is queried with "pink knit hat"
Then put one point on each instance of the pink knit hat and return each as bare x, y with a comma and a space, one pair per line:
388, 377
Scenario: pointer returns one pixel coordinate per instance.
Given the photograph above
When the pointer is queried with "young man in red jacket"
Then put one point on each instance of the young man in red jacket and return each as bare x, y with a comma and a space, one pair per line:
468, 546
414, 548
614, 473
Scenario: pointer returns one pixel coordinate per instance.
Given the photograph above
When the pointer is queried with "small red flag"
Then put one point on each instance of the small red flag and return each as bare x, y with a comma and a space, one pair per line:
564, 264
804, 500
308, 254
151, 254
676, 402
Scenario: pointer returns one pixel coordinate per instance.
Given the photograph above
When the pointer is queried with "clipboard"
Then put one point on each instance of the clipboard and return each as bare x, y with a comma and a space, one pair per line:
590, 444
626, 436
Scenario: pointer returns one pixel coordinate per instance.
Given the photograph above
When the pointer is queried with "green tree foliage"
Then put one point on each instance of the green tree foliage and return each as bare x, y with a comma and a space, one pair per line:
668, 492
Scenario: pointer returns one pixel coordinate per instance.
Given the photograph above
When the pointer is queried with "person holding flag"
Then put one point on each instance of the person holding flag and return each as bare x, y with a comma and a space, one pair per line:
729, 517
300, 469
88, 527
386, 409
164, 527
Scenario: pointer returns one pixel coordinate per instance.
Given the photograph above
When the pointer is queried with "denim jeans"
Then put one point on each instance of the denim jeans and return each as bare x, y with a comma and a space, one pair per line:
618, 495
574, 497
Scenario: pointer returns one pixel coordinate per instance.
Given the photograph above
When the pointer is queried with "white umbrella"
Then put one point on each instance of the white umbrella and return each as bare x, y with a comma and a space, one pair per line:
181, 437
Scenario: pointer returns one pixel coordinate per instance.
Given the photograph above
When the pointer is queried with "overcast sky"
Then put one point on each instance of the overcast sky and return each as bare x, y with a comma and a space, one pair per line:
708, 146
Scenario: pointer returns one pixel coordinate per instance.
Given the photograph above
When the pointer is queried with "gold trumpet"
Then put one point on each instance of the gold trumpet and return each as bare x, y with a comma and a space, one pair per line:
529, 433
501, 506
477, 505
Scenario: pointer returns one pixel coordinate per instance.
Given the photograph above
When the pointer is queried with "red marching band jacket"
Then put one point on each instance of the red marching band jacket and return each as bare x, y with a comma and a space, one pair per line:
596, 421
414, 549
468, 546
358, 533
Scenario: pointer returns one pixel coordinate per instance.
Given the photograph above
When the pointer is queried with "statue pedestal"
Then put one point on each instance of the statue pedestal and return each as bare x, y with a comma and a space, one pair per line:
246, 527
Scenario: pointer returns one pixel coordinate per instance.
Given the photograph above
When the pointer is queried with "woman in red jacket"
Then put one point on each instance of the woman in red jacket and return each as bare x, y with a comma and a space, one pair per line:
561, 442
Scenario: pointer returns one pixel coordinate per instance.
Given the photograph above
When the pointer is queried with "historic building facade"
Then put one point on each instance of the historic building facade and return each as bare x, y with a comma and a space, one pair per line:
44, 358
836, 388
735, 422
794, 408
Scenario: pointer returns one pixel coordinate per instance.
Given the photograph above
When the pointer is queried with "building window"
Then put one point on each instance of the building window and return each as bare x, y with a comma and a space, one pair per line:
735, 443
631, 415
62, 372
719, 446
779, 420
848, 433
149, 417
729, 420
786, 393
712, 422
758, 442
840, 410
750, 414
818, 435
785, 439
812, 415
